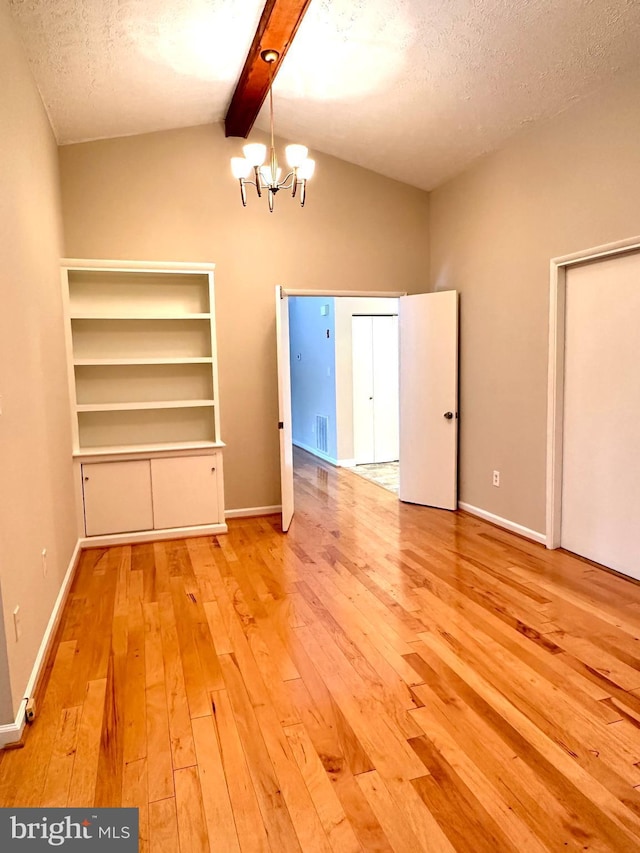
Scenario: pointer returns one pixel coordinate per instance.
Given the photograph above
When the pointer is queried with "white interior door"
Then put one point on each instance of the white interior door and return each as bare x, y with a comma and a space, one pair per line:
601, 422
429, 399
284, 407
363, 431
385, 388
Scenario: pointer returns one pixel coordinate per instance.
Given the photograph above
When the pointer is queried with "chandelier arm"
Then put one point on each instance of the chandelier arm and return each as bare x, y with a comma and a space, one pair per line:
285, 185
257, 183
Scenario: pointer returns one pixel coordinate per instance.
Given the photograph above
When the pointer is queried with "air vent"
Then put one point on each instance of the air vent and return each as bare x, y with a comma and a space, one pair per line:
322, 428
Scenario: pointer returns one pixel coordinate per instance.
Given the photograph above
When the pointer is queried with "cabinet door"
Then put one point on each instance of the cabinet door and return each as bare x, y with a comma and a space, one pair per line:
185, 491
117, 497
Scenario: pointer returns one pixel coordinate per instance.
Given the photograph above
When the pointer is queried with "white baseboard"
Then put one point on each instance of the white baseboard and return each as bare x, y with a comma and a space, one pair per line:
251, 511
152, 535
13, 731
339, 463
315, 452
504, 522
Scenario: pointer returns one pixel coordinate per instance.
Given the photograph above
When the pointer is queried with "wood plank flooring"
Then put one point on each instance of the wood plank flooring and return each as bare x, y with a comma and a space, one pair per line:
385, 677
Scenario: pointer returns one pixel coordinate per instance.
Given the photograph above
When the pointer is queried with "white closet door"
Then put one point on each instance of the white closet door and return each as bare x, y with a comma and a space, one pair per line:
385, 389
363, 430
375, 388
601, 440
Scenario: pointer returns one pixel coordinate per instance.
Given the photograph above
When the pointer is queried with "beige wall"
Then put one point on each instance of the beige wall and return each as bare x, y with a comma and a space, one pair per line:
568, 186
170, 196
36, 497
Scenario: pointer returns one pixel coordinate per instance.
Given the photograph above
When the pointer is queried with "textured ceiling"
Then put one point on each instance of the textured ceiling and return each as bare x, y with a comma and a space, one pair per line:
413, 89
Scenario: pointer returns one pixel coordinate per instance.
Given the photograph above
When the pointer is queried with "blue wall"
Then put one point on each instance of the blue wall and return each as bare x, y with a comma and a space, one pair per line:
313, 369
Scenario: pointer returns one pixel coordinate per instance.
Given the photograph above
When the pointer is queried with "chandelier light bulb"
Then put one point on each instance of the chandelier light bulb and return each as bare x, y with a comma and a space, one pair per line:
306, 169
269, 178
255, 152
240, 167
296, 155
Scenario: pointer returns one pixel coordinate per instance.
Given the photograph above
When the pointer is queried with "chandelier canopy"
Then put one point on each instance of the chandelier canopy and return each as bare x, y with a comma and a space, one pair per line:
267, 175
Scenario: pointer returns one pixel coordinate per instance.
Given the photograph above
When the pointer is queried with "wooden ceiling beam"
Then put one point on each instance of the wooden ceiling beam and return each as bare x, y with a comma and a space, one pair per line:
278, 25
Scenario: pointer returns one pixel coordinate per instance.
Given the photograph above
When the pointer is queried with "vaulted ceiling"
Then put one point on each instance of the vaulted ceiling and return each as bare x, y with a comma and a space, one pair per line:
413, 89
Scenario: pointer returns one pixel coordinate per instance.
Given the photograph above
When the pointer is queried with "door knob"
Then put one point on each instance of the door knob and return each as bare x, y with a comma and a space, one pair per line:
448, 415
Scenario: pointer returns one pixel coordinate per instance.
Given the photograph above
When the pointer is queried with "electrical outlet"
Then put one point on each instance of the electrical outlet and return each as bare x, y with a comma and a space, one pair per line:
496, 478
17, 622
44, 562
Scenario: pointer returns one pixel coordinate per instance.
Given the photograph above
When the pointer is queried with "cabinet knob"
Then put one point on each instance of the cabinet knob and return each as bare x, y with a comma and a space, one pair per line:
86, 479
212, 470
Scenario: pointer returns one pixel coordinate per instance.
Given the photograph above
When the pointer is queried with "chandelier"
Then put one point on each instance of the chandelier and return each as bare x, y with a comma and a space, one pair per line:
267, 175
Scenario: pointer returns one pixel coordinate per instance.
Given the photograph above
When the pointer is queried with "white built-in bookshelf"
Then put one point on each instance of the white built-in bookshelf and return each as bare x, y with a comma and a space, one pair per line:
143, 383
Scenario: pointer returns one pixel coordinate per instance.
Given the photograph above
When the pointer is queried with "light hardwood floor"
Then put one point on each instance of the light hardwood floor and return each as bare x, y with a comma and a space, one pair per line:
384, 677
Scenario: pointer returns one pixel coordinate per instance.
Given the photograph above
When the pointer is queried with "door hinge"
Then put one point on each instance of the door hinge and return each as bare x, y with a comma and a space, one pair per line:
280, 424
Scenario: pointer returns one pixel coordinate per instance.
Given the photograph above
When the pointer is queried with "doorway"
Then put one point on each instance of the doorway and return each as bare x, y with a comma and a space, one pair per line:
593, 498
428, 396
325, 381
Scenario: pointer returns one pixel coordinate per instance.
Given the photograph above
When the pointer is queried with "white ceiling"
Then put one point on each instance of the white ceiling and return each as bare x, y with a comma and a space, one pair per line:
413, 89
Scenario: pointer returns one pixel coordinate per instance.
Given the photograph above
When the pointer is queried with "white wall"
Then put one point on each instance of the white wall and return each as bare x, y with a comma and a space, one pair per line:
36, 495
345, 308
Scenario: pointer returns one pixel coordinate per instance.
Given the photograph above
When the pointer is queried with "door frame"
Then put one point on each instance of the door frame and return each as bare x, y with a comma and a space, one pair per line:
287, 291
555, 380
366, 294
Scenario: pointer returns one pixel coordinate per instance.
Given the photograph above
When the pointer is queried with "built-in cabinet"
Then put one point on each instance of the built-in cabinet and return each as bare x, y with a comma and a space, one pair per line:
143, 386
151, 494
